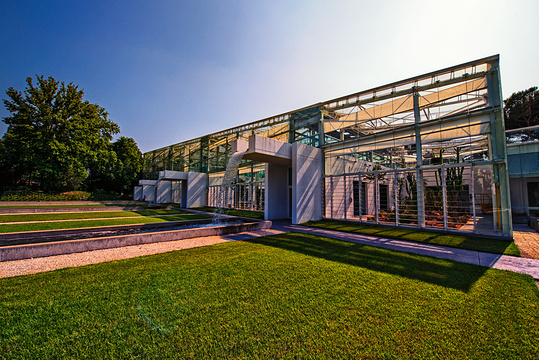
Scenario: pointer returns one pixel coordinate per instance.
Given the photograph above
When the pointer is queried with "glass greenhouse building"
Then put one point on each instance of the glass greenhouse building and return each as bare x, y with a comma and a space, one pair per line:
425, 152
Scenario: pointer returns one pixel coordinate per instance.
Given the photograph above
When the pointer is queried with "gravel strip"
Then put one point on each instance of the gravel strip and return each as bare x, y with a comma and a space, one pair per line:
527, 241
37, 265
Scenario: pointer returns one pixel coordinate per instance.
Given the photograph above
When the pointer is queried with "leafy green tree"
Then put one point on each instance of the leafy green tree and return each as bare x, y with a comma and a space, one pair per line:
522, 109
128, 165
54, 136
120, 171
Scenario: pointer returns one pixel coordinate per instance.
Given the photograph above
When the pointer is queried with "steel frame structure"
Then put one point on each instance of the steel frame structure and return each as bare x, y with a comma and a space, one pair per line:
450, 118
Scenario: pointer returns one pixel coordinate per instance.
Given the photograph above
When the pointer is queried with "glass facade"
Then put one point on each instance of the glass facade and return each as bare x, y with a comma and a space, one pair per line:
423, 152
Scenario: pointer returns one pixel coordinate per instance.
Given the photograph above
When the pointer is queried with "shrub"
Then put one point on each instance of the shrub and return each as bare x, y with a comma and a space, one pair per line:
26, 195
100, 194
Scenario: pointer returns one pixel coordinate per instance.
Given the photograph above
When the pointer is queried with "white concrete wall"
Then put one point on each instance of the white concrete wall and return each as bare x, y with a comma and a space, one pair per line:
306, 183
264, 145
339, 197
172, 175
519, 194
370, 206
348, 164
148, 193
329, 198
196, 189
276, 199
162, 191
147, 182
193, 188
238, 145
269, 150
137, 193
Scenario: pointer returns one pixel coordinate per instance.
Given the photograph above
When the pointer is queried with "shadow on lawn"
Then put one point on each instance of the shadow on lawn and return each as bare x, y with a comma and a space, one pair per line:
423, 236
446, 273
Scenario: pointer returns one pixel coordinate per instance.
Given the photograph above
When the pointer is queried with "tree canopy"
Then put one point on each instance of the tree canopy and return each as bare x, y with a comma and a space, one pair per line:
120, 172
56, 140
522, 109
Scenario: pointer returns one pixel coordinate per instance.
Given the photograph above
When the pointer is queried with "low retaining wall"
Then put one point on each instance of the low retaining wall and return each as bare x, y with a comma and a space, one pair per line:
27, 251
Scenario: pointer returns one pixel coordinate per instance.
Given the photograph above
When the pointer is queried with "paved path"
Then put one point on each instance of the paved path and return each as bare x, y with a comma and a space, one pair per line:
503, 262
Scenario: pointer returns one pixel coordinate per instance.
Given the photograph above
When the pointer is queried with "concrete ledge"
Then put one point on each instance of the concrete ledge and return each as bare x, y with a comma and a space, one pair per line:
19, 252
269, 150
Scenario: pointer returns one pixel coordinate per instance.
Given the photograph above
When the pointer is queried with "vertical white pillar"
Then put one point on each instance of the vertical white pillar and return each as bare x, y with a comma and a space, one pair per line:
473, 198
376, 198
444, 195
420, 199
396, 196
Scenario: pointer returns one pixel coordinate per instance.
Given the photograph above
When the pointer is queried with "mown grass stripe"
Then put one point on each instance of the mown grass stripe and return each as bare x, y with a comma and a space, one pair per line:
8, 228
86, 215
66, 206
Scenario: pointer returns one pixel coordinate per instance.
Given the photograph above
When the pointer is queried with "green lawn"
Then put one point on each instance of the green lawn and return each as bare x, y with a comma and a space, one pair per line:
84, 215
233, 212
452, 240
45, 225
64, 206
284, 296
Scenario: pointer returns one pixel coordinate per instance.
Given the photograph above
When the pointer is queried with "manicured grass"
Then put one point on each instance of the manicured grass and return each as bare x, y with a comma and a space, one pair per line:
84, 215
284, 296
452, 240
46, 205
7, 228
233, 212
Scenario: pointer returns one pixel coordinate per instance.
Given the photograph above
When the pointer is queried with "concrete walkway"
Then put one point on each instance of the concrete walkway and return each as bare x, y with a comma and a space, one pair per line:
496, 261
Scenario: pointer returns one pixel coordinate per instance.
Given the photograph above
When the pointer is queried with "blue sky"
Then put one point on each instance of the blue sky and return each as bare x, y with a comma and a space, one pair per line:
168, 71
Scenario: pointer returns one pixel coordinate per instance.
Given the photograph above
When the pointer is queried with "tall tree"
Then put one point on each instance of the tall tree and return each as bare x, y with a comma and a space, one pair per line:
128, 165
54, 136
522, 109
120, 171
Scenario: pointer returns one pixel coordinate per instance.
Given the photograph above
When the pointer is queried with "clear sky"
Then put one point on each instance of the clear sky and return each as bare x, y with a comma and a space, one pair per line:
169, 71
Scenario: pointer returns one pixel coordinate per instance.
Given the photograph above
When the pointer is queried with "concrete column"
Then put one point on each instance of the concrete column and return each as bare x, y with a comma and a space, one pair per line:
503, 219
420, 199
196, 189
306, 183
148, 193
148, 190
417, 116
444, 194
419, 159
137, 193
376, 199
396, 195
162, 191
